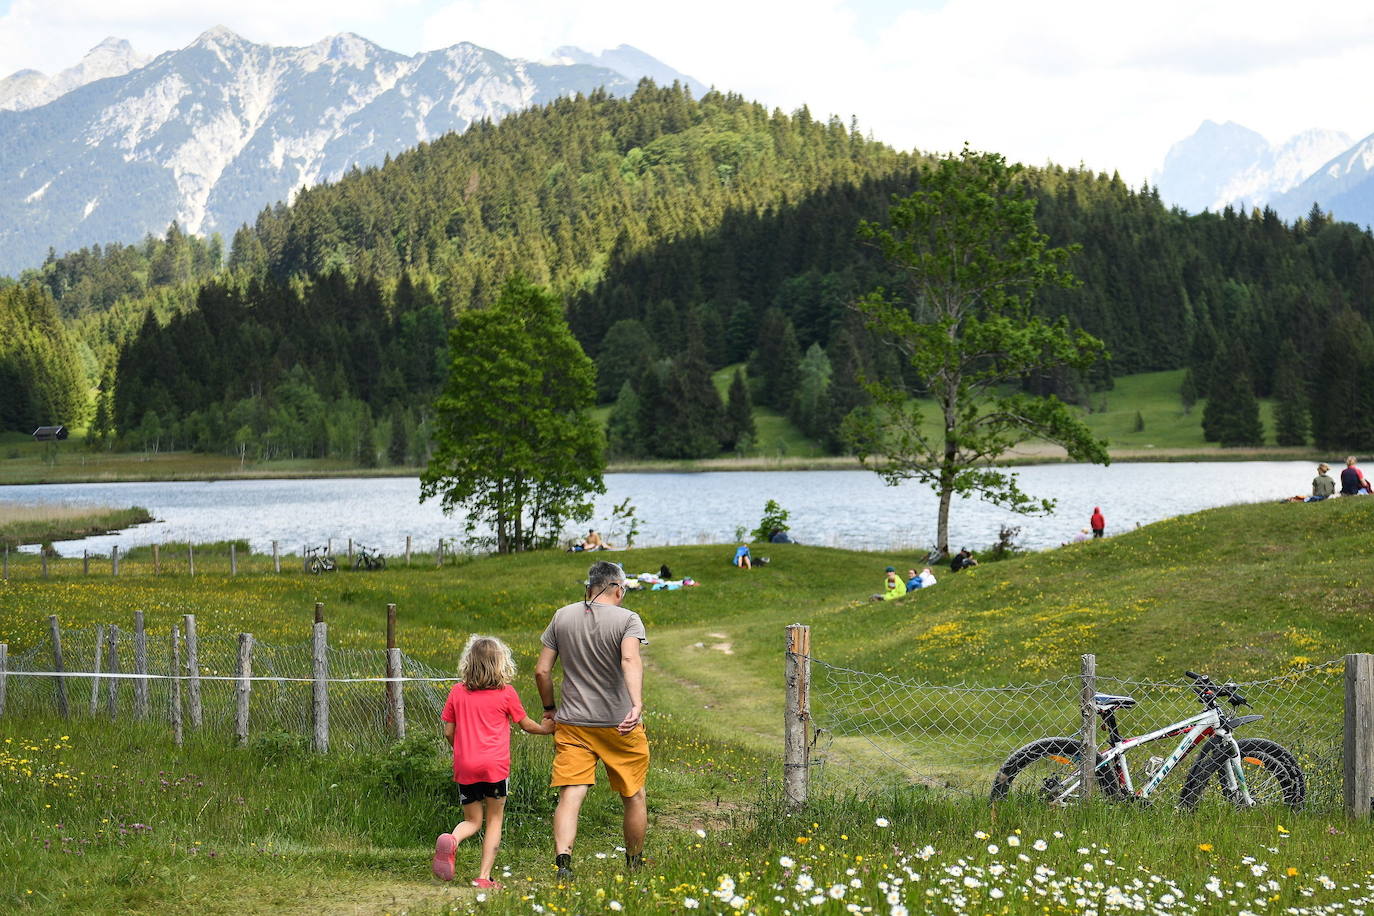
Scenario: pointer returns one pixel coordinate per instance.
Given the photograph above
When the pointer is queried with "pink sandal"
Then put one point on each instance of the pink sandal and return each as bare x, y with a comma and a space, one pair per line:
488, 884
444, 848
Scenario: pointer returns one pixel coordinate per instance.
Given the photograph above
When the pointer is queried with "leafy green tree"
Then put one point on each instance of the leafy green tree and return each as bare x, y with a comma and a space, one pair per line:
774, 519
971, 254
739, 413
811, 403
622, 426
516, 447
618, 360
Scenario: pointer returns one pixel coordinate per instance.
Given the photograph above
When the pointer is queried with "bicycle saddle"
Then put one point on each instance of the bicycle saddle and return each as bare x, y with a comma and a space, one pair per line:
1106, 702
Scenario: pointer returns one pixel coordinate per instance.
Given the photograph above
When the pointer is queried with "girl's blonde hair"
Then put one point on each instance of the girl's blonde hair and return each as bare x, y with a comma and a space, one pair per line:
486, 663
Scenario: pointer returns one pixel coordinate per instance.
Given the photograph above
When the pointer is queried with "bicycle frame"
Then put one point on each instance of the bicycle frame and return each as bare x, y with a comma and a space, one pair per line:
1193, 731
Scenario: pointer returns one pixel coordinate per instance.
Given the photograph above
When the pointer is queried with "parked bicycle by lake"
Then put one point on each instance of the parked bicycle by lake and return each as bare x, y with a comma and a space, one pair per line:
319, 560
368, 558
1246, 771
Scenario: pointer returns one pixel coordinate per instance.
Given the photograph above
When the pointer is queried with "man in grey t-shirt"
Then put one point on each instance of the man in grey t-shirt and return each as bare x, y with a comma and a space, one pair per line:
602, 705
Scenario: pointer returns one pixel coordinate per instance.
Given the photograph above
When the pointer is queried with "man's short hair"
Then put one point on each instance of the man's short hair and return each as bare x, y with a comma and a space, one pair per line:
604, 574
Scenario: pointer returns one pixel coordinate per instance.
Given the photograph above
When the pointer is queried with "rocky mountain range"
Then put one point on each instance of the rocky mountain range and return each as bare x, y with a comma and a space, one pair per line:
210, 134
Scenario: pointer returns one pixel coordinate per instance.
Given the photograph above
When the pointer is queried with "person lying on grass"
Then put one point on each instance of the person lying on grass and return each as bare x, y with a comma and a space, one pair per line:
475, 725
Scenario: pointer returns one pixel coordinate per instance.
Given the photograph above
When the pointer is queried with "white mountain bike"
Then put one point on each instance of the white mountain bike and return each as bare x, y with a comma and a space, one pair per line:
1247, 771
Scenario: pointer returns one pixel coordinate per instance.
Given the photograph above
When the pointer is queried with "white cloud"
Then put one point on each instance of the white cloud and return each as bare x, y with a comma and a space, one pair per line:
1111, 85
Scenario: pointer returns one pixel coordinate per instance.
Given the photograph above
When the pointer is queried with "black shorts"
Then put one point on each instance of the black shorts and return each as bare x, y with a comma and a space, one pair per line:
471, 792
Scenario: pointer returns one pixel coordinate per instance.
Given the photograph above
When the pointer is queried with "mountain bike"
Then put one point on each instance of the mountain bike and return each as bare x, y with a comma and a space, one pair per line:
369, 558
319, 560
1246, 771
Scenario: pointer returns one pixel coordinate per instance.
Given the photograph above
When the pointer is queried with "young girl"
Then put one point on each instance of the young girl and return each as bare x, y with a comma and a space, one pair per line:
475, 723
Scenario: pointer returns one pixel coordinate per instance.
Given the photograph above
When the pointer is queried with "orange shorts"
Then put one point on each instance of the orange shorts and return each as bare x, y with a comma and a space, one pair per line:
577, 748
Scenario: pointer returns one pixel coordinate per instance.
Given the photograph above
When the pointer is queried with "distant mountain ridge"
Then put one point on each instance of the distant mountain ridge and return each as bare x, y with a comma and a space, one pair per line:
1227, 164
210, 134
29, 89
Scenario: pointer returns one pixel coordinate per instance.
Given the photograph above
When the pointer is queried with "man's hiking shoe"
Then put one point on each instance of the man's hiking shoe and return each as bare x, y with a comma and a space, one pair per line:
444, 848
564, 862
488, 884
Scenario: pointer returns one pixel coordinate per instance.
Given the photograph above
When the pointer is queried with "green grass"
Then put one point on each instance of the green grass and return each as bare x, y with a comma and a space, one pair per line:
1243, 592
41, 524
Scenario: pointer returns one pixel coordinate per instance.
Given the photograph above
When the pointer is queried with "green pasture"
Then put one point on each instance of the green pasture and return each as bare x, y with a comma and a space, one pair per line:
102, 818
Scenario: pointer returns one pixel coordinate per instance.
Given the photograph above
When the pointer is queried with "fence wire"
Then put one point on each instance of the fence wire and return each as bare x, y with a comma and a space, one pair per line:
873, 729
358, 715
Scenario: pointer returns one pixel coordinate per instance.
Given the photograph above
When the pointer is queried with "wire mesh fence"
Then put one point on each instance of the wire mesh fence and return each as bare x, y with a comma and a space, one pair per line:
875, 729
281, 695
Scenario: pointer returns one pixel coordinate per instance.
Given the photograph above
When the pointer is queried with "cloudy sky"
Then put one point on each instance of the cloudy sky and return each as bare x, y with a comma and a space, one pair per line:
1110, 85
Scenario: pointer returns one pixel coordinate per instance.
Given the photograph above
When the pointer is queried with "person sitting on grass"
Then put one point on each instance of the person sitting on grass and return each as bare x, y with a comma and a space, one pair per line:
742, 558
1353, 482
475, 725
1323, 487
962, 560
924, 580
893, 586
593, 541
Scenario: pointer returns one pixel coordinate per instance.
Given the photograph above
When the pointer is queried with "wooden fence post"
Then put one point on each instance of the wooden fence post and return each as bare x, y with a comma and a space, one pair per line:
245, 672
395, 697
85, 562
321, 684
191, 559
43, 558
157, 560
1087, 755
276, 557
1359, 735
4, 673
439, 553
112, 688
233, 560
796, 749
61, 684
114, 562
350, 553
193, 670
176, 685
140, 667
407, 550
95, 669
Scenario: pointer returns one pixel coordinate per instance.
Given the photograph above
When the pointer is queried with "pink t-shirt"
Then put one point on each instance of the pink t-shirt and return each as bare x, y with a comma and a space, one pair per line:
481, 731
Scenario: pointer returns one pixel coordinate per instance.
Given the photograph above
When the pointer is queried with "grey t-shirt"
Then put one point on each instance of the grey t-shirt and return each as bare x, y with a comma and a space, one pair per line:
588, 641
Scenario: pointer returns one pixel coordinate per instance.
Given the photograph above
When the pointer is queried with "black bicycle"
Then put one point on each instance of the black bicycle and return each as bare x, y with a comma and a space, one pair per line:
368, 558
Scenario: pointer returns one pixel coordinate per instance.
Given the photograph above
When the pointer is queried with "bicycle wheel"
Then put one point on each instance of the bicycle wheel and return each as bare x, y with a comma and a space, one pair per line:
1271, 771
1041, 771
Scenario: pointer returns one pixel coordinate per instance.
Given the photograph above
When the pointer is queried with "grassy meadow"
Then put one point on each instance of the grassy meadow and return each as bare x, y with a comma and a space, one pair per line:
102, 818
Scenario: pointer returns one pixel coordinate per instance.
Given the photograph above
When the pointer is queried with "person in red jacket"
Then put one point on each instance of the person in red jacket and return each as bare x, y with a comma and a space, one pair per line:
1099, 524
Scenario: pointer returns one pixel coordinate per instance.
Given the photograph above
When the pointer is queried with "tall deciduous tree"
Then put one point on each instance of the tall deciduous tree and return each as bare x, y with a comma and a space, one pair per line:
516, 446
971, 255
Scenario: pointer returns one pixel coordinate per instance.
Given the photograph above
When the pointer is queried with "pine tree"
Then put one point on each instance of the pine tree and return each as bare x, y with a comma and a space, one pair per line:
811, 404
1187, 392
1231, 416
739, 414
694, 429
776, 360
623, 439
1290, 391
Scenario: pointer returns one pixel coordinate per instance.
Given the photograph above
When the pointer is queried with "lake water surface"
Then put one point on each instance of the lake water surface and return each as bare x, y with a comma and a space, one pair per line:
834, 508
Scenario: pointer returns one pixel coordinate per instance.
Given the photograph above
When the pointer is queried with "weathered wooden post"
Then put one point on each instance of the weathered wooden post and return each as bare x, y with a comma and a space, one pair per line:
43, 557
193, 670
244, 685
1359, 735
1087, 755
439, 553
276, 557
114, 562
140, 667
4, 673
233, 560
395, 696
407, 550
329, 546
796, 750
112, 687
61, 684
157, 560
85, 562
95, 668
176, 685
321, 682
191, 559
350, 553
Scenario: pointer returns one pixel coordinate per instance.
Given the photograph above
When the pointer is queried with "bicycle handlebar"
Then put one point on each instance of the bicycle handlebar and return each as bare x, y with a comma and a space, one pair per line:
1207, 691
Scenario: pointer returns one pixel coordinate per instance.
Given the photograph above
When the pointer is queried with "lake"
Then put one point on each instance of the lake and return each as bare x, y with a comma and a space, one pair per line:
833, 508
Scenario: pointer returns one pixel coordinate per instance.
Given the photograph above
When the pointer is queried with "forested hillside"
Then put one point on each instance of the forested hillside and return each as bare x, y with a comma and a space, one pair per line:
685, 236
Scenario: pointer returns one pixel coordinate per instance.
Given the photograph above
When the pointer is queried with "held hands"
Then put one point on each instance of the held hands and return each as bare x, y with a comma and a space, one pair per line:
632, 718
548, 723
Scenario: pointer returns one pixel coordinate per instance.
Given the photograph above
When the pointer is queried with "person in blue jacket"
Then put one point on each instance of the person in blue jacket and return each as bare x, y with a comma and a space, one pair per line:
742, 559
